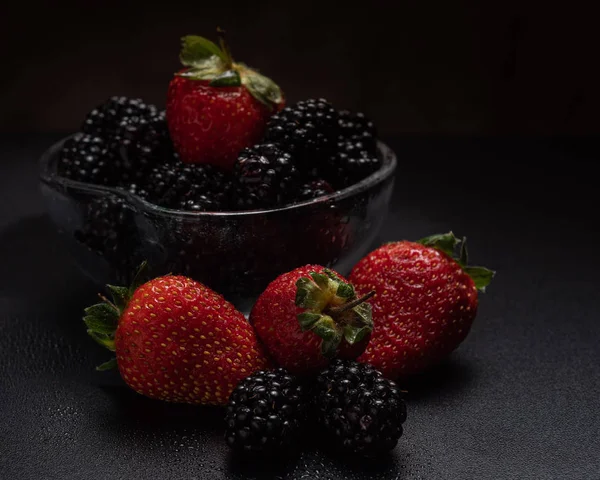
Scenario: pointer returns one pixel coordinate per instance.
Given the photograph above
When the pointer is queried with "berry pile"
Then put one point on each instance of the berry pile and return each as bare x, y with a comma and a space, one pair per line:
226, 142
308, 150
351, 406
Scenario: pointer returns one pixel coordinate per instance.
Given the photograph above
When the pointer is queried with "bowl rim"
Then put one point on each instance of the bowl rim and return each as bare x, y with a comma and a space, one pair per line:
50, 176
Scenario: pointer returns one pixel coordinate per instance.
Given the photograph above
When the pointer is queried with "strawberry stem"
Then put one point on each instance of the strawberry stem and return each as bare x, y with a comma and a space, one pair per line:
225, 48
350, 305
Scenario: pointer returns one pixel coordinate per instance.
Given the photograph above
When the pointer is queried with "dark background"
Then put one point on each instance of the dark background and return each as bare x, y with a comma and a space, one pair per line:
463, 67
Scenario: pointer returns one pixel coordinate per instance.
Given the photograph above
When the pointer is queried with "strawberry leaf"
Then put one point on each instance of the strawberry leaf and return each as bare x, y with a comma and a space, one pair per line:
481, 276
106, 341
120, 296
354, 335
229, 78
345, 290
205, 70
195, 50
139, 278
445, 242
262, 88
464, 255
321, 280
112, 363
103, 311
307, 320
329, 347
100, 325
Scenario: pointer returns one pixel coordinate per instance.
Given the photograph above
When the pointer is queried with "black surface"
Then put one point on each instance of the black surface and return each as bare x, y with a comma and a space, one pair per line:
518, 400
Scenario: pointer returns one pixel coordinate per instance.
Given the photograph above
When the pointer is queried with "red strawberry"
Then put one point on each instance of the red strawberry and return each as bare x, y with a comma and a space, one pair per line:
424, 305
309, 315
176, 340
216, 107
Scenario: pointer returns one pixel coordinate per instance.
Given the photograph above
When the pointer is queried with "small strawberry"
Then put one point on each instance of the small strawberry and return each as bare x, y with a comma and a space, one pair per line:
215, 107
308, 316
425, 301
176, 340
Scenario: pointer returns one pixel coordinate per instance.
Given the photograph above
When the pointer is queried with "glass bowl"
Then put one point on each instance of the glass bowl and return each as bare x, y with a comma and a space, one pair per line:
235, 253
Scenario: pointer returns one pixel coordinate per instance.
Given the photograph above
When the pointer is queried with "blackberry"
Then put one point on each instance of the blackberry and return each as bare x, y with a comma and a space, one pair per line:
357, 128
192, 187
358, 409
143, 141
85, 158
103, 120
109, 230
266, 412
308, 130
266, 176
351, 163
314, 189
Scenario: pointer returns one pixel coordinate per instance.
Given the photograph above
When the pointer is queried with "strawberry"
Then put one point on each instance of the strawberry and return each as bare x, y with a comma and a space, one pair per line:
215, 107
176, 340
424, 305
310, 315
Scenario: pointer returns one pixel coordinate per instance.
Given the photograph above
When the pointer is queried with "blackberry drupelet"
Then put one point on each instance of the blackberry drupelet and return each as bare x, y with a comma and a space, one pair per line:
109, 230
314, 189
103, 120
308, 130
351, 163
266, 412
358, 128
265, 177
358, 409
85, 158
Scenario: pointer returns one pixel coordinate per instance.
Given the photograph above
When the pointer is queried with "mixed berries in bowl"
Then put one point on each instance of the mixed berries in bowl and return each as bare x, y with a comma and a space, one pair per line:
228, 185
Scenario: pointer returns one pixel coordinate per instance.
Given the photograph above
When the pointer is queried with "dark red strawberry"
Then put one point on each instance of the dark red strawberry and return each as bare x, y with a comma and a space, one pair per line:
425, 302
308, 316
176, 340
216, 107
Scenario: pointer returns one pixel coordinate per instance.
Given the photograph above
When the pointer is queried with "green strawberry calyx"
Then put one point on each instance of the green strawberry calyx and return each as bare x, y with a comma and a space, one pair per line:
333, 311
206, 60
456, 249
102, 318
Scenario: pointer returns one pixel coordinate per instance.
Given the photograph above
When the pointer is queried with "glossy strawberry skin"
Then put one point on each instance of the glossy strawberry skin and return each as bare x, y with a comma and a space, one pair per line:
423, 308
179, 341
274, 317
213, 124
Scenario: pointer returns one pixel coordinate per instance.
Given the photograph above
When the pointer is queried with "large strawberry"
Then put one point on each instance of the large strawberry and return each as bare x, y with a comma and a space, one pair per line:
308, 316
217, 107
176, 340
425, 301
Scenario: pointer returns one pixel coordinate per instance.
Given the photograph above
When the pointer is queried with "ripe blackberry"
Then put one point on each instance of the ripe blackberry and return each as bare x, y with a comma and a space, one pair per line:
308, 130
266, 176
356, 127
143, 141
351, 163
358, 409
266, 412
193, 187
109, 230
85, 158
314, 189
103, 120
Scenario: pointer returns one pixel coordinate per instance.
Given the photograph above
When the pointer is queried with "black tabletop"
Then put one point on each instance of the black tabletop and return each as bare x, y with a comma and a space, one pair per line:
518, 400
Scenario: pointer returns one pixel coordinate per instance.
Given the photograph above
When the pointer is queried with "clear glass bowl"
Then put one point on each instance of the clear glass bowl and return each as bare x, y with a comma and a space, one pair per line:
235, 253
